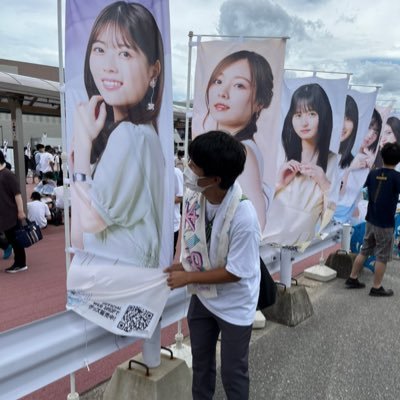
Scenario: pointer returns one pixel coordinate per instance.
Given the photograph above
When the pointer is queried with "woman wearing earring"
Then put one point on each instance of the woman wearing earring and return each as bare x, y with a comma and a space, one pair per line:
355, 174
390, 134
239, 88
117, 160
301, 196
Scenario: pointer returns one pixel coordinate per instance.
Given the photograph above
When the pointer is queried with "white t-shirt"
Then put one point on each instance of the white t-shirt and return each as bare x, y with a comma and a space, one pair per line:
45, 160
37, 212
236, 302
59, 193
178, 193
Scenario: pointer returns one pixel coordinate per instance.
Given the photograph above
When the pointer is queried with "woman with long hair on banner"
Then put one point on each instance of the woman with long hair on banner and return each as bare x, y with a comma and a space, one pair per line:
390, 134
349, 132
347, 139
117, 158
355, 174
303, 186
239, 88
118, 169
366, 154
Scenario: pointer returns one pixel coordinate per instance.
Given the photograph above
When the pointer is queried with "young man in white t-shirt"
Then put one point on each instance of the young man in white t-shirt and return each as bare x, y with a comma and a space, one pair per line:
46, 161
38, 211
216, 160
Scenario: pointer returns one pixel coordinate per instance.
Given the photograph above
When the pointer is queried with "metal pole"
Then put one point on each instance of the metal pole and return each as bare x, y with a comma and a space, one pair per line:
346, 237
316, 71
244, 37
188, 94
73, 395
286, 267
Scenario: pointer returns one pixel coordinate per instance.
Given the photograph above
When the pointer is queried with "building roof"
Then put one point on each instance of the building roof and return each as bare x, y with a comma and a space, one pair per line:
38, 96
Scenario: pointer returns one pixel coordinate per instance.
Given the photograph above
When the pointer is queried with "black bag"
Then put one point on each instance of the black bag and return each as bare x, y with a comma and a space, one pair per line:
29, 234
56, 216
342, 262
267, 296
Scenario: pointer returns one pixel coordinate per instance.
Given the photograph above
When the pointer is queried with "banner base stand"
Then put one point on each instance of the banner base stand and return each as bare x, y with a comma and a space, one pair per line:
292, 306
172, 376
320, 273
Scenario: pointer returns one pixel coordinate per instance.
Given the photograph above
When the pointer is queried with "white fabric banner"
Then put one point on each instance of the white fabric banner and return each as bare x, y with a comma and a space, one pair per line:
304, 200
119, 115
352, 175
238, 90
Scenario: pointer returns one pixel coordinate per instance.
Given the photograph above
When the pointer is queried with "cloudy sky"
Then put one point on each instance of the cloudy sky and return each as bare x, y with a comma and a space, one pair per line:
361, 37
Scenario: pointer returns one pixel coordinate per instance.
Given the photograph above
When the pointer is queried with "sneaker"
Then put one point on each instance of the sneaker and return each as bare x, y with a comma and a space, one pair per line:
352, 283
16, 268
7, 252
381, 292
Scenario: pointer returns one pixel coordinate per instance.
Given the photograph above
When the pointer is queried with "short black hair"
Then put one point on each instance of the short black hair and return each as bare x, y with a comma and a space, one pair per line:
39, 146
49, 175
36, 196
2, 158
180, 153
391, 153
218, 154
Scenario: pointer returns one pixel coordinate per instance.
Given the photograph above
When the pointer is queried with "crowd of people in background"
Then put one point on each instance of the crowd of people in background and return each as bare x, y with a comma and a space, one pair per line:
46, 203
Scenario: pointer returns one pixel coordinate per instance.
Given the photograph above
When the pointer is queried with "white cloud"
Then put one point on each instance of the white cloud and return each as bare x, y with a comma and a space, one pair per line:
340, 35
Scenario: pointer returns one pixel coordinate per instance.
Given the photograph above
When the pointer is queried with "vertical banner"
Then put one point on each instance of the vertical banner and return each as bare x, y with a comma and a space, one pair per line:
359, 141
119, 124
238, 90
304, 199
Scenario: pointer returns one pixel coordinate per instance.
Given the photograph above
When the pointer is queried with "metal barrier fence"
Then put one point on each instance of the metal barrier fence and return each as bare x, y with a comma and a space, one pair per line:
35, 355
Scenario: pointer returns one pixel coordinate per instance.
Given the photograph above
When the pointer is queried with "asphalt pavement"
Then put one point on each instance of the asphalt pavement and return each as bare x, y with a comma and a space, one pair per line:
348, 350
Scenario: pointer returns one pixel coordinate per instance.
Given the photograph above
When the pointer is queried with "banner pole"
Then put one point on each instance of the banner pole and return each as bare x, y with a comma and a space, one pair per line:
188, 94
73, 395
63, 135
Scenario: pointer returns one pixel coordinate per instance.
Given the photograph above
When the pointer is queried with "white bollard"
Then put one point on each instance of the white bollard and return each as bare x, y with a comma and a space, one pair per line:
151, 351
286, 267
346, 236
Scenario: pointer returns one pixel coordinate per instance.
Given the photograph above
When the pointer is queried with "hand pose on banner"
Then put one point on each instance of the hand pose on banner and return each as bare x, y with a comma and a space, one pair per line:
118, 172
303, 186
116, 159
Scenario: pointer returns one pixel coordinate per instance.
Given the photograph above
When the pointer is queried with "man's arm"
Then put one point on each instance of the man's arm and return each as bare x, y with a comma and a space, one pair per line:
20, 206
178, 277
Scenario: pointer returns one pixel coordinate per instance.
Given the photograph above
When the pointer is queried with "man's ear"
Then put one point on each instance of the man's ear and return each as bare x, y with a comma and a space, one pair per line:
217, 179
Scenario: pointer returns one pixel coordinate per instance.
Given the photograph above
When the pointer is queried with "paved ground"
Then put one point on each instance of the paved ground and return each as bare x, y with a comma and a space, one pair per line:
349, 349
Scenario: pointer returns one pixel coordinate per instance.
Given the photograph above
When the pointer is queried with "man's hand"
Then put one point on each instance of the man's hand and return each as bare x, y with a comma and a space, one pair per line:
174, 267
177, 279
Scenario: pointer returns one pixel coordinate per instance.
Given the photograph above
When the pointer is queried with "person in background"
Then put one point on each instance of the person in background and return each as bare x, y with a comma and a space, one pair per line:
220, 263
383, 186
38, 211
36, 158
46, 161
11, 212
180, 162
5, 246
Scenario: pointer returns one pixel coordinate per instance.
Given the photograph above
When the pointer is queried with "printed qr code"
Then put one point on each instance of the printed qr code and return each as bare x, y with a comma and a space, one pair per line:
135, 319
106, 310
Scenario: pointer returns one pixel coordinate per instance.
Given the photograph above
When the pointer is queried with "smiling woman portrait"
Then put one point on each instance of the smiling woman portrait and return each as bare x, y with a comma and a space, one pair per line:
116, 158
239, 88
303, 186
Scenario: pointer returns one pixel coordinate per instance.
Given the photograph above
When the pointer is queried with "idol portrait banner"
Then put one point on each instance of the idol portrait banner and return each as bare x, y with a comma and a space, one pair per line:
119, 119
238, 90
359, 142
304, 200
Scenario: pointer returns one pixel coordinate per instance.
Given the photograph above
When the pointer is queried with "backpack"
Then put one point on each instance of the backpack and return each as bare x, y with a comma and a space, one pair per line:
56, 216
